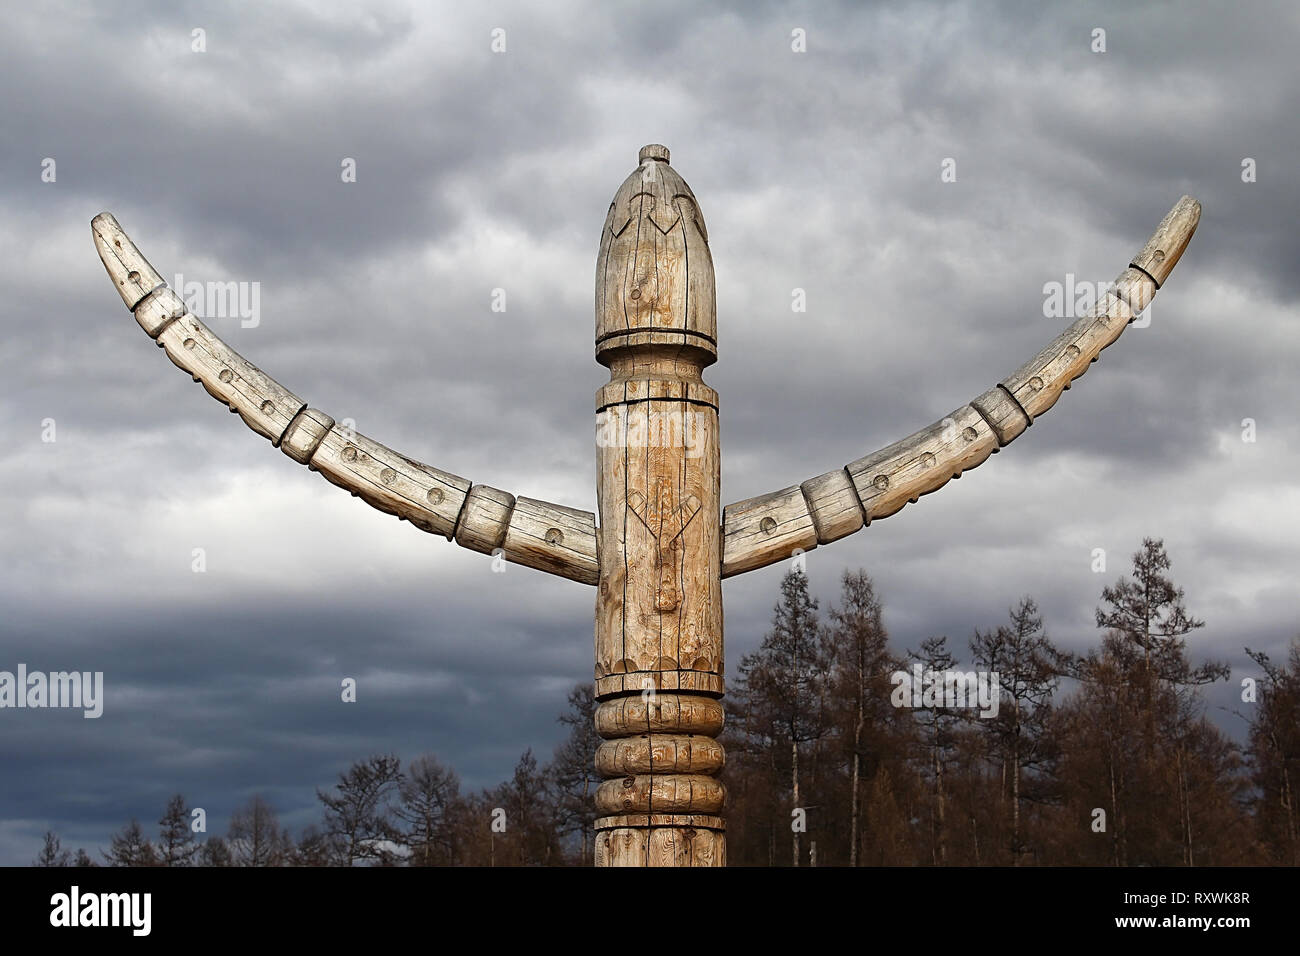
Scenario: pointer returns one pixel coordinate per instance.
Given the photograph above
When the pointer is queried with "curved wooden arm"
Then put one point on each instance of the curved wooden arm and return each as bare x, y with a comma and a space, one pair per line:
536, 534
760, 531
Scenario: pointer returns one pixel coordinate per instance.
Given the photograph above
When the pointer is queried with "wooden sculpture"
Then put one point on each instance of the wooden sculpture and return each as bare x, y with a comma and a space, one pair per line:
662, 546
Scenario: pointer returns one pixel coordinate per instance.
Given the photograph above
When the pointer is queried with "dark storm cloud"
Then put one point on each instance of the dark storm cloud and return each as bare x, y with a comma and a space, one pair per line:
817, 171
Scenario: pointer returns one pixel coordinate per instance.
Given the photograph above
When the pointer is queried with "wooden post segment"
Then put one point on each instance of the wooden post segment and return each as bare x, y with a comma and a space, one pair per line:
659, 663
760, 531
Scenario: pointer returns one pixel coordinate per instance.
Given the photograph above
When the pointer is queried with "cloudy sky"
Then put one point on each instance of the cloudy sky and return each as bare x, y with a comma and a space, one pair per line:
481, 170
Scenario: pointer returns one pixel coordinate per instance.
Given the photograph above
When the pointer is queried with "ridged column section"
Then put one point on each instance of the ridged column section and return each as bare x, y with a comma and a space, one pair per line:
659, 661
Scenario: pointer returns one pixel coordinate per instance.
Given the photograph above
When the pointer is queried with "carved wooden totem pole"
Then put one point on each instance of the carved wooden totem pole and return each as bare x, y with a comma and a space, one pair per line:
664, 544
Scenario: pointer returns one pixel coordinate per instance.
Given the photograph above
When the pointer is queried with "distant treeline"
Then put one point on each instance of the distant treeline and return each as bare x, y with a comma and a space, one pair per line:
842, 752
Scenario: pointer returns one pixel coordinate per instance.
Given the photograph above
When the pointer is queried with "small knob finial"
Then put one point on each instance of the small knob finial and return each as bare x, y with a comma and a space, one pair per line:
653, 151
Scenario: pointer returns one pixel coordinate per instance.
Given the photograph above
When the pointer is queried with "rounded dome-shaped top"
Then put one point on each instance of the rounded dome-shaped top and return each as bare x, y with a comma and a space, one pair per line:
654, 274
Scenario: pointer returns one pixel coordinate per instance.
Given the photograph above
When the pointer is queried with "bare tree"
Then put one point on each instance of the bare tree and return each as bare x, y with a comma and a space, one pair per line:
1275, 750
52, 852
1147, 610
938, 728
862, 663
312, 849
1028, 666
574, 767
254, 838
783, 689
215, 852
530, 816
358, 818
130, 847
427, 793
176, 846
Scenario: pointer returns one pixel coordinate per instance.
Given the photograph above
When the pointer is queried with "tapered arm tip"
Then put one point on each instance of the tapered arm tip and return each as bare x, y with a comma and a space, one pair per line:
1165, 247
130, 271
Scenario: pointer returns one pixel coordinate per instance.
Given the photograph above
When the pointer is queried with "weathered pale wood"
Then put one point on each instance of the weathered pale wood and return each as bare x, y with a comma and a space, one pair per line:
1166, 246
834, 505
552, 538
654, 273
533, 533
643, 387
1039, 382
888, 479
611, 485
159, 309
130, 271
484, 519
923, 462
305, 433
659, 598
659, 601
266, 406
425, 496
1003, 413
760, 531
1135, 288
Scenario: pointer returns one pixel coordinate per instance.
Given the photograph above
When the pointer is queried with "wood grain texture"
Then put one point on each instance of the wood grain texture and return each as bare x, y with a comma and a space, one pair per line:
661, 839
266, 406
1039, 382
659, 600
668, 846
654, 272
659, 714
701, 821
305, 433
923, 462
127, 267
624, 847
1167, 244
834, 505
537, 534
647, 753
888, 479
427, 497
658, 628
763, 530
661, 793
642, 386
1003, 413
1135, 288
159, 309
553, 538
484, 519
